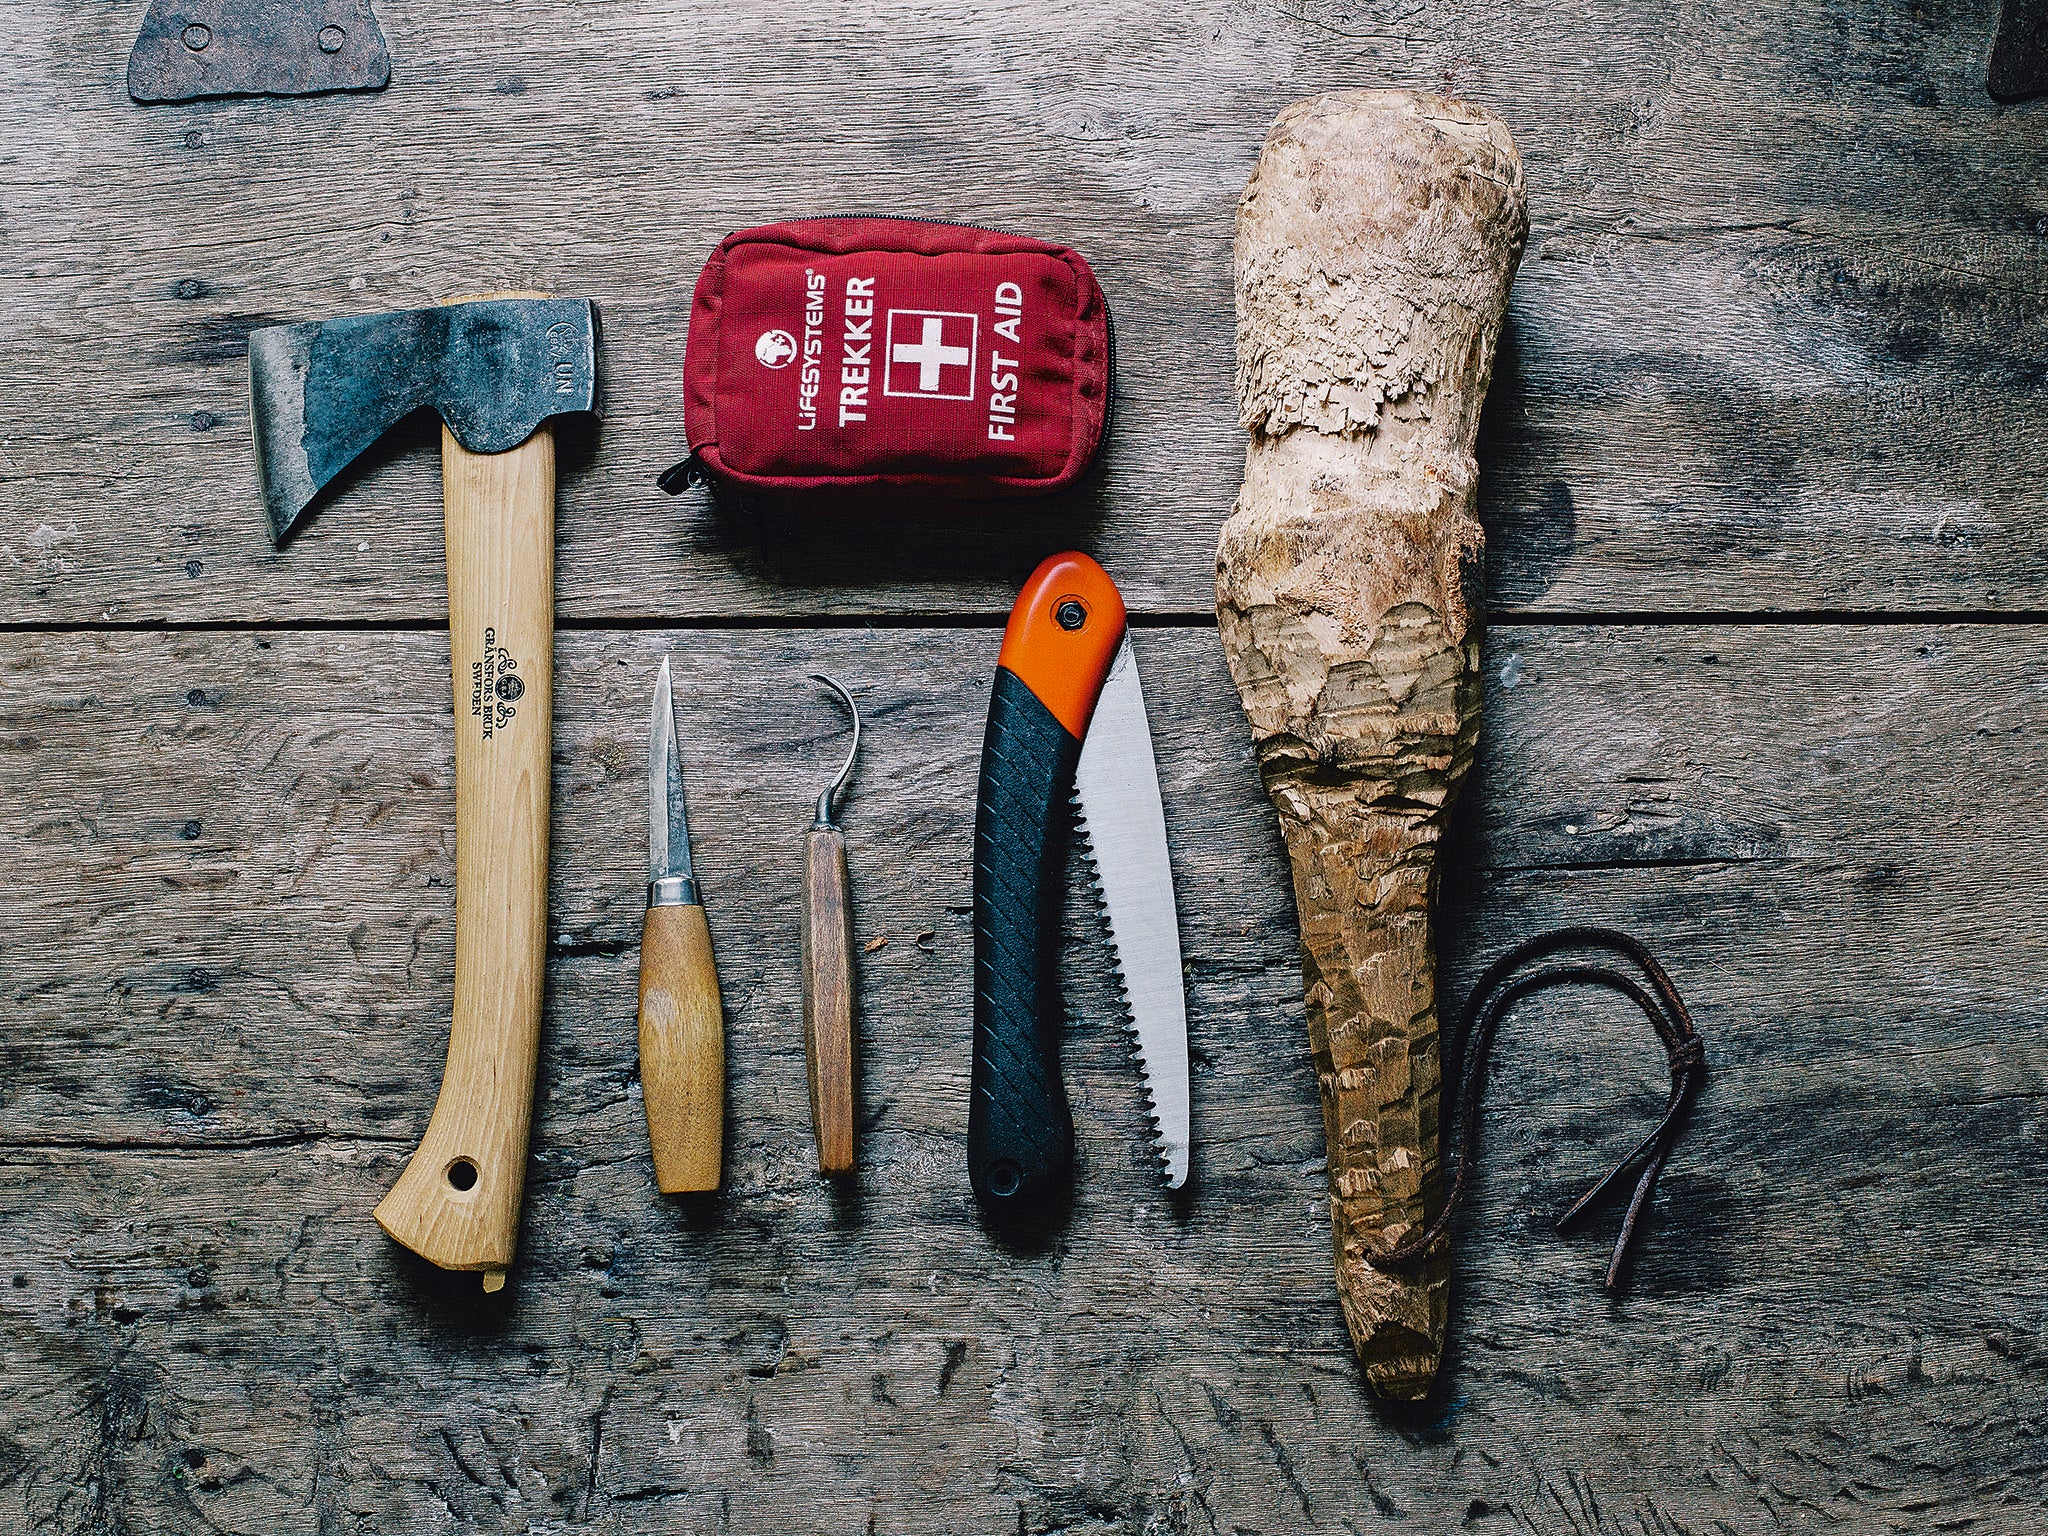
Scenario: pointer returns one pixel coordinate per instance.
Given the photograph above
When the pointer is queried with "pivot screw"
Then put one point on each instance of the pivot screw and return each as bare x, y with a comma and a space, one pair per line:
197, 37
1071, 614
331, 39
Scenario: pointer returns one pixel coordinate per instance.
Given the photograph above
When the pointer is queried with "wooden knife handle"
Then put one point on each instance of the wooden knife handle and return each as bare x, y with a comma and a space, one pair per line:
828, 997
682, 1049
457, 1203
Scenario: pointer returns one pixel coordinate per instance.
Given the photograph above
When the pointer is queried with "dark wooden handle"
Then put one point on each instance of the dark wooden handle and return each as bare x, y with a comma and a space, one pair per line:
682, 1049
828, 997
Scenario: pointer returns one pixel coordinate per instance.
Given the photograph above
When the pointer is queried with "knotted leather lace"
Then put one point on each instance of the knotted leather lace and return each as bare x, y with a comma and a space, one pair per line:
1499, 990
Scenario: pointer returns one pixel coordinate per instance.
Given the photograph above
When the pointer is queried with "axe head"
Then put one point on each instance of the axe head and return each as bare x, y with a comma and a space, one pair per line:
495, 370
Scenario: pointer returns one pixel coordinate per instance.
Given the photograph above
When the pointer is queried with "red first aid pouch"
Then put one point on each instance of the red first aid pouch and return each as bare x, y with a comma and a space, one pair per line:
843, 353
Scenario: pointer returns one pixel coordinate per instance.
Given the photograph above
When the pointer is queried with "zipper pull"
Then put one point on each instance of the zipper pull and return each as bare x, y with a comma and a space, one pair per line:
693, 472
678, 478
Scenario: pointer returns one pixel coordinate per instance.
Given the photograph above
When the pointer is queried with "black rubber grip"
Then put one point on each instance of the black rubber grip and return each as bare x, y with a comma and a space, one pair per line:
1020, 1133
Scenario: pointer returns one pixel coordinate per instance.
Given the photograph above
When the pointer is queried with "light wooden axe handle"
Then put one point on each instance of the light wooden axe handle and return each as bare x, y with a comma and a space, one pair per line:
457, 1203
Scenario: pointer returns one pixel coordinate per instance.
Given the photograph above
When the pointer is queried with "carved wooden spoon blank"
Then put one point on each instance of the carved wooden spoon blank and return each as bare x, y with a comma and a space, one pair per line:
1375, 245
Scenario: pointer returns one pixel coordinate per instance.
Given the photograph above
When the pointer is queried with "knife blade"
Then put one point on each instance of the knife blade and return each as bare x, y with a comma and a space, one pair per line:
682, 1023
1123, 828
668, 812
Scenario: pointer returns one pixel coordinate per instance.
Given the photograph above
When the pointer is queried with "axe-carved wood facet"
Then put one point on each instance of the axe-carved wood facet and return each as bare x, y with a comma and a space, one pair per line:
1375, 246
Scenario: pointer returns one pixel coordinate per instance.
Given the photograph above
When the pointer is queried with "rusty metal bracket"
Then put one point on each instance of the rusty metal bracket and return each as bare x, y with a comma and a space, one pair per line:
190, 49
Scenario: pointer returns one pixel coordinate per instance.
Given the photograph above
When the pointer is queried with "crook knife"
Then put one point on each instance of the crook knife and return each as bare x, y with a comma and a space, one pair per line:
828, 968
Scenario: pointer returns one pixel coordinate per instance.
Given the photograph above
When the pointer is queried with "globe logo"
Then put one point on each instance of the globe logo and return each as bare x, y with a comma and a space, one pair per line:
775, 349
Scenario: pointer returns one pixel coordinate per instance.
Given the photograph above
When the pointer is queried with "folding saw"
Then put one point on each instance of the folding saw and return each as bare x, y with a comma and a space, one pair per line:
1066, 719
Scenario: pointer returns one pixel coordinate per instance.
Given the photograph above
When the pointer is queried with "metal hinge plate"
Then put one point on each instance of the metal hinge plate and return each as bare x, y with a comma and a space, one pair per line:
190, 49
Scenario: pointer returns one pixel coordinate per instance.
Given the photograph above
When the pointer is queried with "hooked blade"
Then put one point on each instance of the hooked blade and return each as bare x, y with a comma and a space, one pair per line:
1123, 824
668, 818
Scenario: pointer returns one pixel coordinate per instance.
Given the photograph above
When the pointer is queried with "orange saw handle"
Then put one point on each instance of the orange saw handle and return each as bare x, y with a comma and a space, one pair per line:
1062, 636
1063, 633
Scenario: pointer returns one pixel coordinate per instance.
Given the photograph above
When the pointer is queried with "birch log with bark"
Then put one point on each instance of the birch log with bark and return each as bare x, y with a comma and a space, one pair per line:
1375, 245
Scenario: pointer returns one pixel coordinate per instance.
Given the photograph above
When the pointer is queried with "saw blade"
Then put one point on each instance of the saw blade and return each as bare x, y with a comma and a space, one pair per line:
1123, 828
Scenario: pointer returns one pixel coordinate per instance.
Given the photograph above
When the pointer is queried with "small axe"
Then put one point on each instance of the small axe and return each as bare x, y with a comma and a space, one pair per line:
498, 369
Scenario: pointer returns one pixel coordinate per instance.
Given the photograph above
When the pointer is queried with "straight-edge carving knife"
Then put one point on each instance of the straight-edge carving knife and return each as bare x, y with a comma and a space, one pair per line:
682, 1024
1066, 720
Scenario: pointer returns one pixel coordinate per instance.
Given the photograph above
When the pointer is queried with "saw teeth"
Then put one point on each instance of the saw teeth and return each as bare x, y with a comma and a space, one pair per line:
1123, 987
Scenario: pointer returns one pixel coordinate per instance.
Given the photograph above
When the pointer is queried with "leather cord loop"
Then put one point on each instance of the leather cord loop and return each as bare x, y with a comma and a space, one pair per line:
1498, 991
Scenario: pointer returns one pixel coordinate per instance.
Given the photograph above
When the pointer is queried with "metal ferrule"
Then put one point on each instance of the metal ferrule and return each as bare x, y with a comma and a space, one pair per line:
821, 819
672, 891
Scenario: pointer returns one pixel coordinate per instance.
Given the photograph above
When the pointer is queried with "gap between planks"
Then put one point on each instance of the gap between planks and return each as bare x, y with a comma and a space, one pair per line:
1519, 618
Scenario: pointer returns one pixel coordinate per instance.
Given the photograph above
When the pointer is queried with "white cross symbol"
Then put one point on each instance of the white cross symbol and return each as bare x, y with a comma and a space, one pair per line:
930, 354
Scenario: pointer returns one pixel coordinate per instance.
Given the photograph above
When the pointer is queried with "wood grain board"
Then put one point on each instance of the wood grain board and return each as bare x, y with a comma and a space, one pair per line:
1778, 342
1765, 685
1836, 1309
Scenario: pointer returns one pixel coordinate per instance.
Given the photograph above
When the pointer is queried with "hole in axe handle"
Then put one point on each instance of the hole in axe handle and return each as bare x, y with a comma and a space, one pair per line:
462, 1174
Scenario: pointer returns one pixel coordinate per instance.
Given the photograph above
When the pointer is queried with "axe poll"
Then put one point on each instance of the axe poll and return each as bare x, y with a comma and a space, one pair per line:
498, 369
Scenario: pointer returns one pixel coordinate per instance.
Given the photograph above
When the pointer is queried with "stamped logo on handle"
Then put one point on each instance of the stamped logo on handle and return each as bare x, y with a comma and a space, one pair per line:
495, 686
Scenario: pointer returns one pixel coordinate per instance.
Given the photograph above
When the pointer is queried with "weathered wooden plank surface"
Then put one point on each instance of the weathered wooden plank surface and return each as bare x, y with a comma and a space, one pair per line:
1779, 340
1778, 344
225, 973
